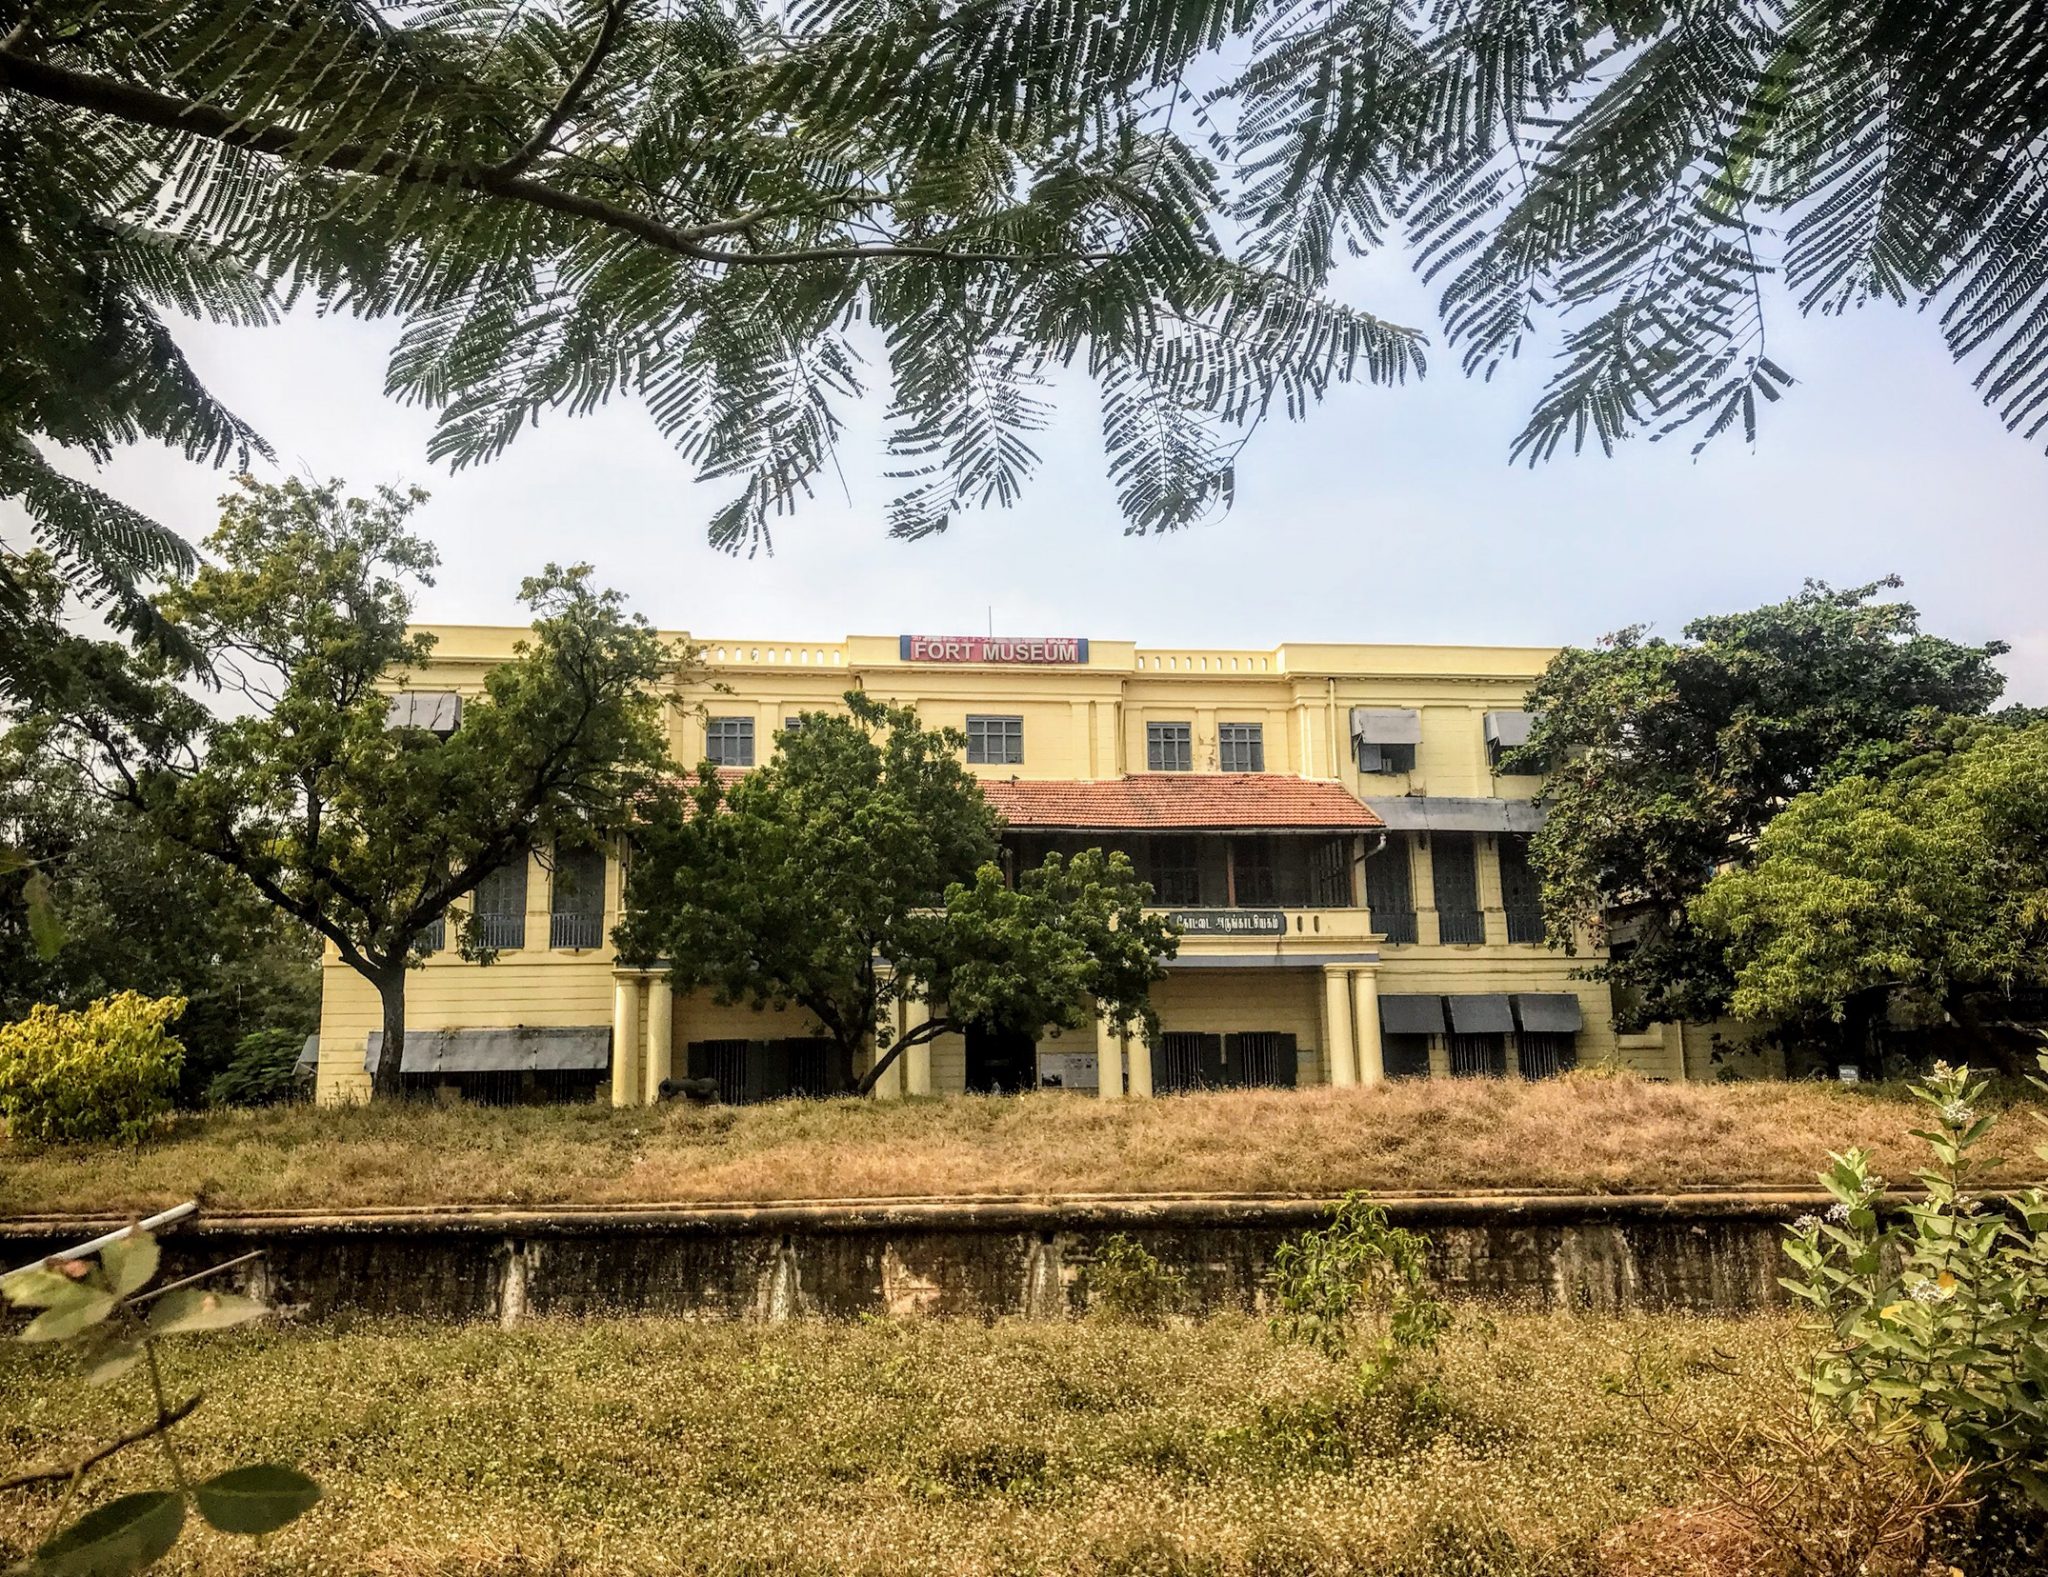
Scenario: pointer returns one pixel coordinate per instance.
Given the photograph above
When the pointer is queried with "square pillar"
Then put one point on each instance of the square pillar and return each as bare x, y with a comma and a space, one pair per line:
917, 1060
625, 1039
1141, 1058
1337, 1054
1365, 1015
1109, 1058
661, 1009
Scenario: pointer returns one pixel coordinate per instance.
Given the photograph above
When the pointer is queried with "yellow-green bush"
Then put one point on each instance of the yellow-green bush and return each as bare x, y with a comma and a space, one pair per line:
105, 1072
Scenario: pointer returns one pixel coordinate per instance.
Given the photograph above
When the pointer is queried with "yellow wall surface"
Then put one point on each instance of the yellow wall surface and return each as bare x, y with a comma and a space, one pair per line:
1080, 721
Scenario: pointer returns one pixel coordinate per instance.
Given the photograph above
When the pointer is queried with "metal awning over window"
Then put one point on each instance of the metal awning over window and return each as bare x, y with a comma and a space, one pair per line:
437, 711
1446, 813
1386, 725
1411, 1015
520, 1049
309, 1055
1509, 729
1482, 1015
1549, 1012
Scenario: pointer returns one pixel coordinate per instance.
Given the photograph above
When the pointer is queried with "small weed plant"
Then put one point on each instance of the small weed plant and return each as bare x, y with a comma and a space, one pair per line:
1933, 1325
1129, 1283
1358, 1283
103, 1306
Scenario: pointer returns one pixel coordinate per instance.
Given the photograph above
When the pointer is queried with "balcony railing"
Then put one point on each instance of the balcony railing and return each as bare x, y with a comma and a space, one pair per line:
1396, 925
433, 938
1456, 926
575, 930
1525, 924
503, 932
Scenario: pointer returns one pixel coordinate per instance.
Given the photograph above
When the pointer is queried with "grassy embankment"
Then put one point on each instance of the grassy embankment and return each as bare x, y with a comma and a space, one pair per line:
637, 1446
1577, 1134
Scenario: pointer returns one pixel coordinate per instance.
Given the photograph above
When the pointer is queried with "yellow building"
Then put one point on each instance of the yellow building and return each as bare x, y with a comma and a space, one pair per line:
1327, 822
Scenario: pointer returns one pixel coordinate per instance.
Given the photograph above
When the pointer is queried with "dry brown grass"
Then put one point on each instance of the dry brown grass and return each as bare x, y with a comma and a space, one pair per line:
1581, 1134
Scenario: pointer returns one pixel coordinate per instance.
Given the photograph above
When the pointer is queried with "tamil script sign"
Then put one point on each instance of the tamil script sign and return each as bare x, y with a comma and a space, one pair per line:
994, 648
1229, 922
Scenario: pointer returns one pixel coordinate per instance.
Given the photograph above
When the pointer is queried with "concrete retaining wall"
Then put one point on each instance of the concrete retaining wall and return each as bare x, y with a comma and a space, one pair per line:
978, 1259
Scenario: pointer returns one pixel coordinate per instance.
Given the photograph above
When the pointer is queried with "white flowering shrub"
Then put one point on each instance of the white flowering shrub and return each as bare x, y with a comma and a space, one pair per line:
1935, 1317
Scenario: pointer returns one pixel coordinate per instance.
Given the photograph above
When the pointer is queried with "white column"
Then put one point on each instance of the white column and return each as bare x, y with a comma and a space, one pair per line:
1109, 1058
625, 1037
1365, 1013
917, 1060
1141, 1058
661, 1007
1337, 1058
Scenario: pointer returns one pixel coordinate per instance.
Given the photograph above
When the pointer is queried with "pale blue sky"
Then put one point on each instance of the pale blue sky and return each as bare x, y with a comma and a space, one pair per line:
1387, 515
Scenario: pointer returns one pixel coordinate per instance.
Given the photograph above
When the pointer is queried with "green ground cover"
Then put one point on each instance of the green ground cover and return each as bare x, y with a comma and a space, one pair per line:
642, 1446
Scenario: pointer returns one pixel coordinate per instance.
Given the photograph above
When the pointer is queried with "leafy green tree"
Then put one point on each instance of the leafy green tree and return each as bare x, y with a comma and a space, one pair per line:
300, 782
720, 210
133, 911
1635, 181
1667, 759
695, 203
1930, 882
856, 871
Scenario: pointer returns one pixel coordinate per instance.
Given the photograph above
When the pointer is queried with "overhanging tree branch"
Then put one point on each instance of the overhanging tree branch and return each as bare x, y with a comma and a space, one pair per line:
147, 107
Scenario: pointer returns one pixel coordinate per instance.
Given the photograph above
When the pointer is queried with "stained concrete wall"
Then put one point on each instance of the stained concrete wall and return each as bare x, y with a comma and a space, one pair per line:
977, 1260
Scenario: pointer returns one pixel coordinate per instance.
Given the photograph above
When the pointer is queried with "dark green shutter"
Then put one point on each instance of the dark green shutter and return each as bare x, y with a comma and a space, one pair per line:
1286, 1069
1214, 1072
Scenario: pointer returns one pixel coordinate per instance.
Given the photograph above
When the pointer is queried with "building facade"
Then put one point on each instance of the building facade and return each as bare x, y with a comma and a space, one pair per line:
1328, 823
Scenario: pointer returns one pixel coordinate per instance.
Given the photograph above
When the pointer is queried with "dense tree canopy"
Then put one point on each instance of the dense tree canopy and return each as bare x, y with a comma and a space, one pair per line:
1929, 883
855, 872
299, 780
1667, 759
742, 217
136, 912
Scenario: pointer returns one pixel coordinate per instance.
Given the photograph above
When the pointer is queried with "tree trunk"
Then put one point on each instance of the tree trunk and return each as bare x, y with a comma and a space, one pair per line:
865, 1084
384, 1079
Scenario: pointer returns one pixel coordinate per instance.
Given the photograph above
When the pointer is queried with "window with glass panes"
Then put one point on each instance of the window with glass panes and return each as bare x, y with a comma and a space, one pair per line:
1241, 747
995, 741
729, 741
1169, 747
501, 906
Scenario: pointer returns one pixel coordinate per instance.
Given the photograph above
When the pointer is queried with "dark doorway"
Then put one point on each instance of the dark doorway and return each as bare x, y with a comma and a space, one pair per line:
1001, 1061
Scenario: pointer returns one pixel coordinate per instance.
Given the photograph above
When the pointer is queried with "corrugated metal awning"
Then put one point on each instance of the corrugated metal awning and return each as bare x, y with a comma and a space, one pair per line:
1482, 1015
1549, 1012
1411, 1015
309, 1055
1386, 725
521, 1048
1447, 813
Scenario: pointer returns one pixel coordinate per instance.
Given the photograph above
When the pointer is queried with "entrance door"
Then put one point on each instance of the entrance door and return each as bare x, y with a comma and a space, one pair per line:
1000, 1061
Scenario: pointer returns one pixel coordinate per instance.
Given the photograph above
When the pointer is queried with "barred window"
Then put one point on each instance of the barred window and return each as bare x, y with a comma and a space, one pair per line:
1169, 747
729, 741
1241, 747
995, 741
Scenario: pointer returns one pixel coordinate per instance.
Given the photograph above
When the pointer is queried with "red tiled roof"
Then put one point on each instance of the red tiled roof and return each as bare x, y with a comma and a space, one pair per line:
1213, 800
